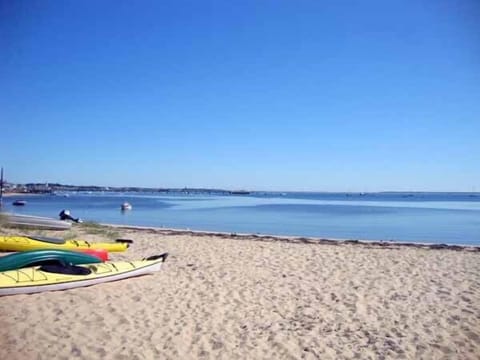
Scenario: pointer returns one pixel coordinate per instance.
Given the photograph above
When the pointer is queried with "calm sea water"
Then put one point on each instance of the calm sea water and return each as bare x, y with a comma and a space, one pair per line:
417, 217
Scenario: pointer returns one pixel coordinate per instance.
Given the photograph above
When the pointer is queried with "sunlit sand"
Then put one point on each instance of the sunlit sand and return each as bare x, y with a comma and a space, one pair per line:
227, 297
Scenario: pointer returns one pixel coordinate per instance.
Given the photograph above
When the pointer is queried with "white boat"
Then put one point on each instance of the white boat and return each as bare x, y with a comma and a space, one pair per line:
126, 206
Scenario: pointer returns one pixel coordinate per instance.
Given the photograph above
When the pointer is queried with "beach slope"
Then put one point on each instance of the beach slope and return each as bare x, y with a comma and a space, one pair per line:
225, 297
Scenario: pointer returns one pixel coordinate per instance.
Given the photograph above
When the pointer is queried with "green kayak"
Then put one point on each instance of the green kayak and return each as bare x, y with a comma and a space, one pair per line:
42, 257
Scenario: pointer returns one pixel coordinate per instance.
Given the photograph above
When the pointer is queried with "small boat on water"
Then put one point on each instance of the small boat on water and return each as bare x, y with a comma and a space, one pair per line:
239, 192
19, 203
126, 206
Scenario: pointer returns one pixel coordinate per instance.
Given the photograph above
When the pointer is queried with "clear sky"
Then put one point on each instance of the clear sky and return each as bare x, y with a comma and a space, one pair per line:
250, 94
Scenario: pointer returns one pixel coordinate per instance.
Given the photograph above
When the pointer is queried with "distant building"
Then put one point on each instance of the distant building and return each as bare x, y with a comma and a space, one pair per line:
38, 188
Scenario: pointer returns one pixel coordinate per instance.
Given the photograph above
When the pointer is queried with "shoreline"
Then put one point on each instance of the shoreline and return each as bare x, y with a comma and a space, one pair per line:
443, 221
7, 195
298, 239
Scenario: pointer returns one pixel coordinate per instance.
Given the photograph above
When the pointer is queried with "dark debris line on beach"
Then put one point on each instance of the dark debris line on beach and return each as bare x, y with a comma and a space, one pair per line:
305, 240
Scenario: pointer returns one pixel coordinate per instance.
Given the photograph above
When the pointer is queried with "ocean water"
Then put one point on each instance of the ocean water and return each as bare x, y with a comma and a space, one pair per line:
452, 218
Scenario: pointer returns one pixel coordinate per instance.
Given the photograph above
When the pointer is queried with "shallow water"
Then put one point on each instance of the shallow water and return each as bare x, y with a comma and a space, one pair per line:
418, 217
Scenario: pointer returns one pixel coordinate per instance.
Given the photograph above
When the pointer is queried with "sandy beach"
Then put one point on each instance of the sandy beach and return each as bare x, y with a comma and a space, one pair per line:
231, 297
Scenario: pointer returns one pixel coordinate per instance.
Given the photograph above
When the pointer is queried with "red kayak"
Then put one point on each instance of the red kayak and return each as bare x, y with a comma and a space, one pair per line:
99, 253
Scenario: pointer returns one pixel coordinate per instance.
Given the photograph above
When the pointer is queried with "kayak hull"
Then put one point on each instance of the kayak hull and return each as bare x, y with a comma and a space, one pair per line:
38, 257
23, 243
102, 254
36, 222
34, 280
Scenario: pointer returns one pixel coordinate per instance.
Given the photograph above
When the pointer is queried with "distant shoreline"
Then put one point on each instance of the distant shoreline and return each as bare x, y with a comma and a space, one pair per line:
133, 189
7, 195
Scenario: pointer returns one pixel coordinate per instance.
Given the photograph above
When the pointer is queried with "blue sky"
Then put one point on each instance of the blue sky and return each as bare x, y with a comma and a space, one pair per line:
271, 95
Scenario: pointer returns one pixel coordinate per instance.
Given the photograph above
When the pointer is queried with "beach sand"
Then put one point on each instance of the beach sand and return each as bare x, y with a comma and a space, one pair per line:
231, 297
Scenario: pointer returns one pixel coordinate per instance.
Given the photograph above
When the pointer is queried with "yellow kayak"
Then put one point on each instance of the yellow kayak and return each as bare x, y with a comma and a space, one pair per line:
24, 243
51, 277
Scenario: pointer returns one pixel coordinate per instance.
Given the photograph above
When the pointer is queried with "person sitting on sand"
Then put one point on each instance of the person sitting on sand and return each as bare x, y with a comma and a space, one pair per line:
65, 215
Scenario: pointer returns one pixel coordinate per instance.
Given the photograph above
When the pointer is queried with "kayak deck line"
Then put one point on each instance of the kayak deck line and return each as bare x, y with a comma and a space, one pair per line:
34, 279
